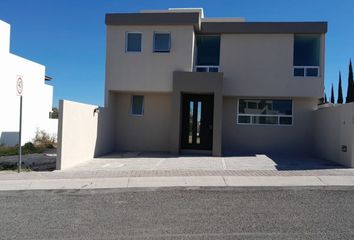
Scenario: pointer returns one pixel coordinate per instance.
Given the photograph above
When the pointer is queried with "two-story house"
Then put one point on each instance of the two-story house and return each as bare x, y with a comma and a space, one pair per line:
177, 81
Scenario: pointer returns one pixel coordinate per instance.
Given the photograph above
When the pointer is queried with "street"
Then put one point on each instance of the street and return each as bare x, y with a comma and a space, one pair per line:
179, 213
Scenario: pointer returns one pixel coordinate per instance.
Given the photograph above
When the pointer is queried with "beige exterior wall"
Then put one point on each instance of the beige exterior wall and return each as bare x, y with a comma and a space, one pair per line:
245, 139
334, 128
146, 70
262, 65
82, 135
150, 132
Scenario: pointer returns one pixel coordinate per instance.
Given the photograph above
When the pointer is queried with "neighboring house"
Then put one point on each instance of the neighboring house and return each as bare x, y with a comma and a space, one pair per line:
37, 95
177, 81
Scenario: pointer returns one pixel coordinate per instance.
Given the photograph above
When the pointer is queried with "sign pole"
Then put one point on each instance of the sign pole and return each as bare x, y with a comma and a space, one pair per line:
19, 91
19, 139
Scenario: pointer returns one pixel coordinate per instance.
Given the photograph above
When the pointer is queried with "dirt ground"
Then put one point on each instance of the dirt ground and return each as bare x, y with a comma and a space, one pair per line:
36, 162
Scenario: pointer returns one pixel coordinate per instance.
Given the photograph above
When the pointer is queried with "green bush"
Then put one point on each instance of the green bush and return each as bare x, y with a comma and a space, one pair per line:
8, 151
28, 148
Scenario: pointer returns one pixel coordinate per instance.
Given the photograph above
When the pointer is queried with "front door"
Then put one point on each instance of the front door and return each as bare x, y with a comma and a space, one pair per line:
197, 122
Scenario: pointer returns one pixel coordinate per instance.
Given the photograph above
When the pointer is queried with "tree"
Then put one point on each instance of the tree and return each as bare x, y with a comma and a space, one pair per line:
350, 90
332, 94
325, 99
55, 113
340, 91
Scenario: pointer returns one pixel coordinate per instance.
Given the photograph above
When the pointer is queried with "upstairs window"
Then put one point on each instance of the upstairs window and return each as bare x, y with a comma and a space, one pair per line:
208, 51
137, 105
306, 55
162, 42
133, 42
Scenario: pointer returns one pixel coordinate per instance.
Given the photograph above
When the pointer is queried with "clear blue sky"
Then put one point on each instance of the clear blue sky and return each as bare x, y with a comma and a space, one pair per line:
68, 36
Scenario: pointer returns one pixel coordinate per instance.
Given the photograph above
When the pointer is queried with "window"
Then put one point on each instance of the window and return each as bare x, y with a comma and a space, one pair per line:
162, 42
208, 53
306, 55
137, 105
133, 42
265, 112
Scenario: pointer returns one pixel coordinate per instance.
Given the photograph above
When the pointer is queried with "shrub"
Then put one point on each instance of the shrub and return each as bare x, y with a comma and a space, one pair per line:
28, 148
43, 140
8, 151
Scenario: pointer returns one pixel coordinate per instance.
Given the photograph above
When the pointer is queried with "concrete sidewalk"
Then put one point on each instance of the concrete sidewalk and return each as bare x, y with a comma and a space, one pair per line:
115, 171
190, 181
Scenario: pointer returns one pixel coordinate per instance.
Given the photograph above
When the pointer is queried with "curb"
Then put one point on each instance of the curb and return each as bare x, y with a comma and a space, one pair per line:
158, 182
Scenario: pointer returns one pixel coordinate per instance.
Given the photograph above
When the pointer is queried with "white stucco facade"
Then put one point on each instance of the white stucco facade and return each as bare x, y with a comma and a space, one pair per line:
37, 95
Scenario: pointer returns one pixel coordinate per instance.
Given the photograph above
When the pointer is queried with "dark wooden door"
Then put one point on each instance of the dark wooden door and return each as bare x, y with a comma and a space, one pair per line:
197, 122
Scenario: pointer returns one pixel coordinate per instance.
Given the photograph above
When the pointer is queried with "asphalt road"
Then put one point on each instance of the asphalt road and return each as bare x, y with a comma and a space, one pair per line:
179, 213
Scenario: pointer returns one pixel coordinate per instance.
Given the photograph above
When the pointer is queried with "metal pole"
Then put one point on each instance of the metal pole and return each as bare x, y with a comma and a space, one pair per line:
19, 138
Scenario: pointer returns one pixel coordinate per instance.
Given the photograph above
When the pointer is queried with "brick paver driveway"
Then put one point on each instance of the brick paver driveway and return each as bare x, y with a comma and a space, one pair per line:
158, 164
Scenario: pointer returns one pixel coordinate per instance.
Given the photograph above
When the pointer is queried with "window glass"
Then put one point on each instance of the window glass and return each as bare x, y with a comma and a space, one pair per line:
137, 105
244, 119
299, 72
265, 120
201, 69
265, 106
286, 120
208, 50
133, 42
306, 50
213, 69
312, 72
265, 111
162, 42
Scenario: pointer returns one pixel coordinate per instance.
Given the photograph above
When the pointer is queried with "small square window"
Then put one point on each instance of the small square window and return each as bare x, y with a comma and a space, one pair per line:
137, 105
162, 42
133, 42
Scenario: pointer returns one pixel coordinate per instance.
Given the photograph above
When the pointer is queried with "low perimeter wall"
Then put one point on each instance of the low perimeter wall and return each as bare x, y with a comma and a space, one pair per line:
333, 134
82, 134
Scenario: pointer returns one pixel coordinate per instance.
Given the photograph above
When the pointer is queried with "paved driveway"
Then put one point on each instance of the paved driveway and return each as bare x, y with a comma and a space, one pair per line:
159, 161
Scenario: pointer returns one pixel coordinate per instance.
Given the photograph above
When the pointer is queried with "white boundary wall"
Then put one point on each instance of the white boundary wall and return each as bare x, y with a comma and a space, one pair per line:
82, 134
334, 134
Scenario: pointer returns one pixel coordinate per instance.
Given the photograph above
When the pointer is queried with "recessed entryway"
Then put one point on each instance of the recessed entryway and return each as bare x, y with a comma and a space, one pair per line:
197, 121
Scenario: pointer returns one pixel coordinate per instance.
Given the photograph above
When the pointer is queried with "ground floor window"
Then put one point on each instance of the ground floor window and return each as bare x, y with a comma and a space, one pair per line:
137, 107
265, 112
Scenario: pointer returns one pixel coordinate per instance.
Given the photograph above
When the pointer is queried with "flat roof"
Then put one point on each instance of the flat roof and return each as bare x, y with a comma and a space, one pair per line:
263, 27
154, 18
212, 25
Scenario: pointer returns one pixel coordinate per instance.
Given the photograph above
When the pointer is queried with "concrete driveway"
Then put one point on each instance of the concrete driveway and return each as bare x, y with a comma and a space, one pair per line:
135, 161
